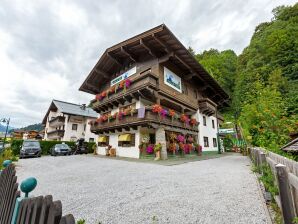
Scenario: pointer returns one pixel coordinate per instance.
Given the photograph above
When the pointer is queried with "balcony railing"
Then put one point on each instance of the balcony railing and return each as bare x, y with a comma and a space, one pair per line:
55, 134
138, 82
207, 107
57, 121
133, 120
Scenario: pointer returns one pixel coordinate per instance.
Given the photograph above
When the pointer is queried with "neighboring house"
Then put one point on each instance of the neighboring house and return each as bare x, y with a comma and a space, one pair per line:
153, 69
18, 134
68, 122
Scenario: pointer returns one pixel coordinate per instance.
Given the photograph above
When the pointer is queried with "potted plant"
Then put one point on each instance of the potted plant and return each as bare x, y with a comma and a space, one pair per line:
150, 149
108, 150
198, 148
157, 149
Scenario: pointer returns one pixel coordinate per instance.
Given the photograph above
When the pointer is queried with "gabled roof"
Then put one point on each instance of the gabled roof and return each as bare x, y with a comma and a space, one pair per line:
70, 108
154, 43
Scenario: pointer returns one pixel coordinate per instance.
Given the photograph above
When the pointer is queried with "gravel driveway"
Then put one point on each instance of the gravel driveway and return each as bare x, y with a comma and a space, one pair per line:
222, 190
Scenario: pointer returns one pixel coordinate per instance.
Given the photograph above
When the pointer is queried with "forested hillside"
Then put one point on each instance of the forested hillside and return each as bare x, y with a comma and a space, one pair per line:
263, 80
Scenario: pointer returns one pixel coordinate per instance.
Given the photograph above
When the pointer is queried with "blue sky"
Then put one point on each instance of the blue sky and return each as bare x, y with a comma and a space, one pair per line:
48, 47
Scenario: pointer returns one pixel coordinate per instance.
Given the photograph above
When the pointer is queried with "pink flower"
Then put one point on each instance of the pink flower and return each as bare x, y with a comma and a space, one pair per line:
180, 138
163, 112
127, 83
149, 149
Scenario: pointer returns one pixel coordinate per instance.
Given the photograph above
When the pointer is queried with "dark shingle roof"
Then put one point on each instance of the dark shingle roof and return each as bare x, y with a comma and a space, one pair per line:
70, 108
75, 109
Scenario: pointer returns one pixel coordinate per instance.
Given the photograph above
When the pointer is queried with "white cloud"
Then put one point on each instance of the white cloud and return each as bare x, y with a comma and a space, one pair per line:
48, 47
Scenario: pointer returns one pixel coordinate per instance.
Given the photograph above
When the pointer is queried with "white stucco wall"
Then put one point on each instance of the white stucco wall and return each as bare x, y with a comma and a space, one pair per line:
132, 152
207, 131
68, 132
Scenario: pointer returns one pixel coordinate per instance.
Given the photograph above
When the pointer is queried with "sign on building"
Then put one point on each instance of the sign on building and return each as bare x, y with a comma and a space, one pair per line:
125, 75
172, 80
226, 131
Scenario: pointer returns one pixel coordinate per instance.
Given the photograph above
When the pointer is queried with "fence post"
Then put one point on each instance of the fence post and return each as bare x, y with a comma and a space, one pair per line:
262, 158
286, 199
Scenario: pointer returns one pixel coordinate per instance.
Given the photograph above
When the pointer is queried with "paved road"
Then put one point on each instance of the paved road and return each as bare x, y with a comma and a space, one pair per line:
222, 190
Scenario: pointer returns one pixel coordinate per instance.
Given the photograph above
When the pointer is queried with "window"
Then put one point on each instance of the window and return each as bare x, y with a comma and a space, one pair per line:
74, 127
206, 142
204, 121
103, 141
91, 139
214, 142
85, 128
213, 124
126, 140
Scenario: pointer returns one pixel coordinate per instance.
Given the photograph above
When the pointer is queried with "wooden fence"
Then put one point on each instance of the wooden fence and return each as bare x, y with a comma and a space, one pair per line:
22, 210
286, 178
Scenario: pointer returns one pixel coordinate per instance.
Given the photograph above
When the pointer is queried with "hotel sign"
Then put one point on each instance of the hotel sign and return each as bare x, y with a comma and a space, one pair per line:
172, 80
125, 75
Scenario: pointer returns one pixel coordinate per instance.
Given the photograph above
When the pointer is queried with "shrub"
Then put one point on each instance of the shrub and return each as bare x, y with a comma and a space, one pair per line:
90, 146
16, 146
46, 146
7, 154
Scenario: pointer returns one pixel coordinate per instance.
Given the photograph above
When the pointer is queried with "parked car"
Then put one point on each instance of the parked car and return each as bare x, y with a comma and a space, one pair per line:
81, 147
30, 148
60, 149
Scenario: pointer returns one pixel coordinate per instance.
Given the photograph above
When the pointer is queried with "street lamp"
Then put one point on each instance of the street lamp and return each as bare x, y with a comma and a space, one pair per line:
5, 120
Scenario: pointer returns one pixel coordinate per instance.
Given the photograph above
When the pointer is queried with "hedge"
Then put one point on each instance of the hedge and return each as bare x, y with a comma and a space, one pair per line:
46, 146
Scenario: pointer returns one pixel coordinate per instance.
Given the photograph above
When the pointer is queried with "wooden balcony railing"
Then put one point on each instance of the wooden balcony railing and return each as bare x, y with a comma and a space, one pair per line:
57, 121
55, 134
207, 107
149, 119
138, 82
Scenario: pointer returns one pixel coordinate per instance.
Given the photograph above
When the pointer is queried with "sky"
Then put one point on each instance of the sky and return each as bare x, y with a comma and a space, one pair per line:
48, 47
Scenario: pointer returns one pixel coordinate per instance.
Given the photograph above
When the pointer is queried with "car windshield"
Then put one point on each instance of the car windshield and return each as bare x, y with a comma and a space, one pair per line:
31, 144
62, 146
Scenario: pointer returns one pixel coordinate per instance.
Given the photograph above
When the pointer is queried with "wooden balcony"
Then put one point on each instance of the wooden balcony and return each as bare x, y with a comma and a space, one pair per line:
142, 84
207, 107
55, 134
57, 121
150, 119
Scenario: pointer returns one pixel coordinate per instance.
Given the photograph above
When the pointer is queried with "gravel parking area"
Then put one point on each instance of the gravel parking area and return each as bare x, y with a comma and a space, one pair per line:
222, 190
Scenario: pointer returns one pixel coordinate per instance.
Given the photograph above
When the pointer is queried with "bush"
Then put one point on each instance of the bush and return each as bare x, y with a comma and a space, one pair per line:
7, 154
16, 146
90, 146
46, 146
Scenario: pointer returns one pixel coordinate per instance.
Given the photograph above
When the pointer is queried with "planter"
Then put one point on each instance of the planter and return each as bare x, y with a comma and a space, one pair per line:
157, 155
113, 152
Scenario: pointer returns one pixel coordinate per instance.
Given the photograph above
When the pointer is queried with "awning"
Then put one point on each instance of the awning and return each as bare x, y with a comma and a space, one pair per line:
102, 139
125, 137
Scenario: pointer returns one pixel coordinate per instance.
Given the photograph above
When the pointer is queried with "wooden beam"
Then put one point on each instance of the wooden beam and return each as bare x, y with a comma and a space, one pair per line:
189, 76
147, 48
186, 65
129, 54
114, 59
103, 73
158, 40
166, 57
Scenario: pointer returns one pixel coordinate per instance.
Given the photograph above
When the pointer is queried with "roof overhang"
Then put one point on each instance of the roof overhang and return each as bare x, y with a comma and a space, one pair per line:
154, 43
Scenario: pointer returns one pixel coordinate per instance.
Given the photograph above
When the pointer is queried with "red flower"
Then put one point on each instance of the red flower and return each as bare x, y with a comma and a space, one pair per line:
156, 108
121, 84
193, 121
184, 118
103, 94
172, 113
